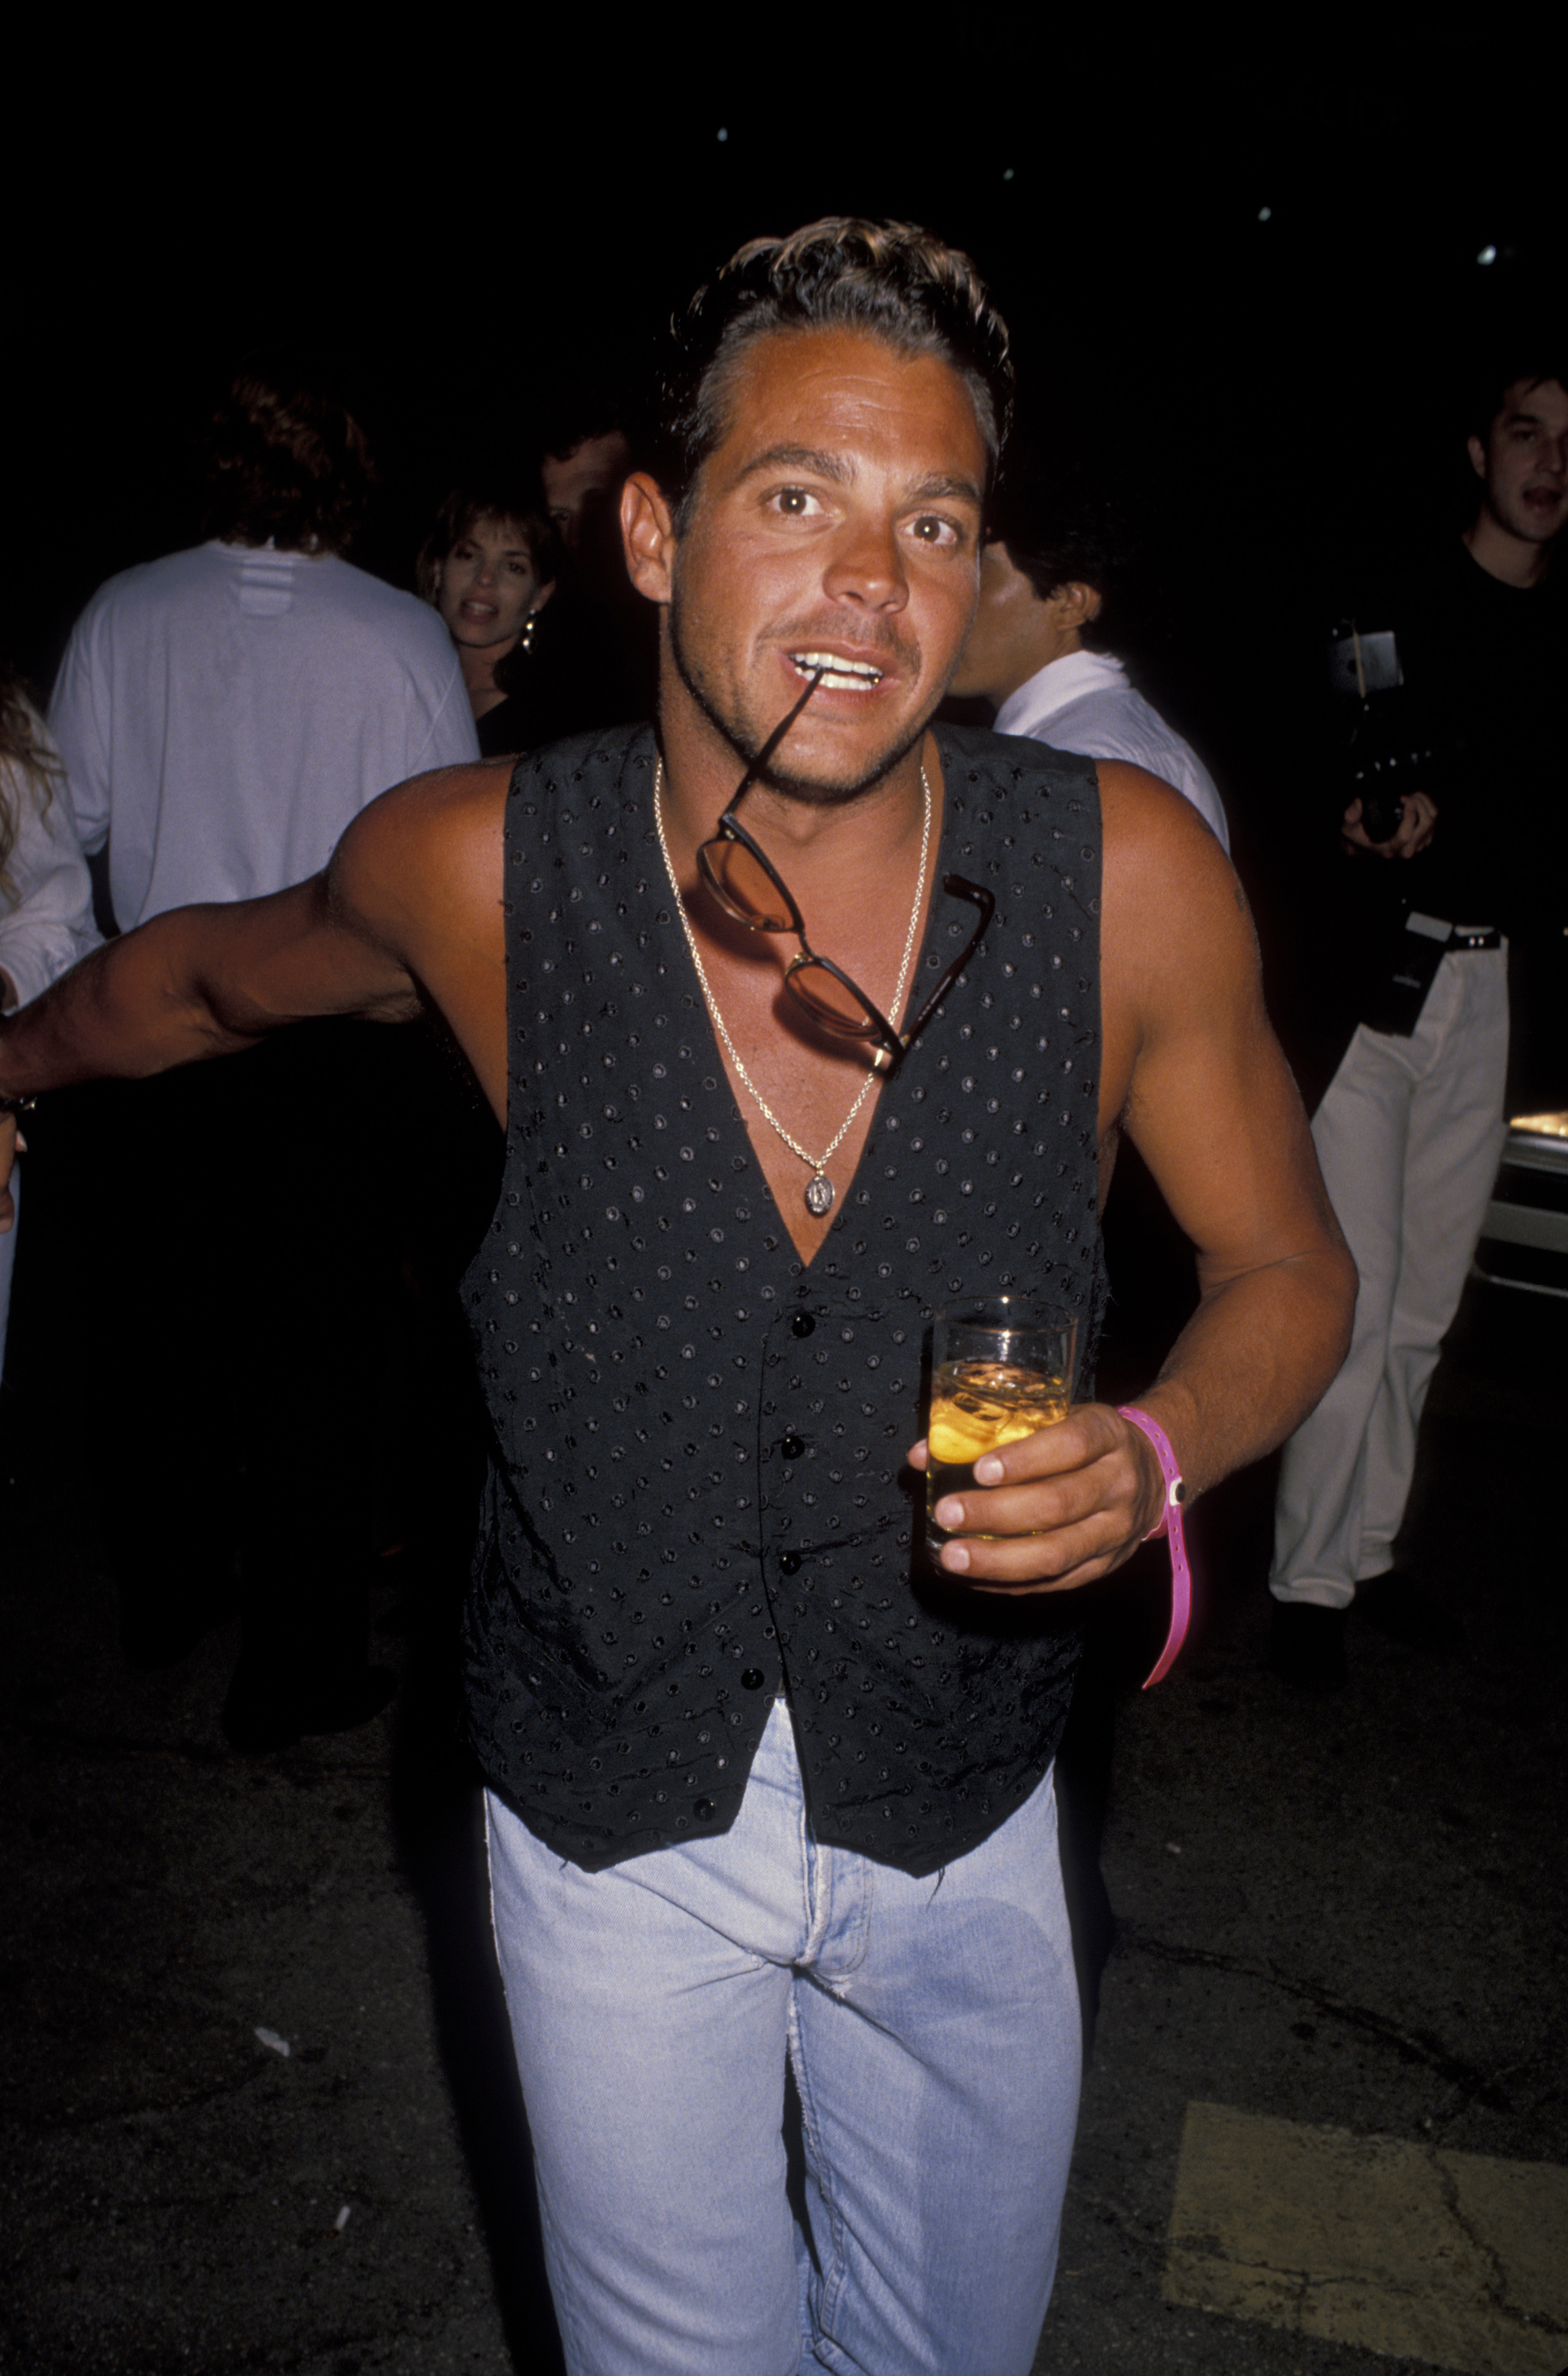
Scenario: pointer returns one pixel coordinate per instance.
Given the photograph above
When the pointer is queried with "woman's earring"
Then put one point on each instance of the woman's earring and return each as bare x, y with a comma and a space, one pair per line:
525, 641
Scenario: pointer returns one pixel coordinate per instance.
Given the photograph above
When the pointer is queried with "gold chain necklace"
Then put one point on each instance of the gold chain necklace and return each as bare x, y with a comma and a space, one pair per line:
819, 1191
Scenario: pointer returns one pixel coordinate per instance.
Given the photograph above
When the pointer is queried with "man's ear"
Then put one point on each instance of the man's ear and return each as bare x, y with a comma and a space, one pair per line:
1075, 603
647, 533
1476, 453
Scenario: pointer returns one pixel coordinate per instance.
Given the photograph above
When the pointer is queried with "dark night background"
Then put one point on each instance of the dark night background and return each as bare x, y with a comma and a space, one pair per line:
1331, 1912
1242, 277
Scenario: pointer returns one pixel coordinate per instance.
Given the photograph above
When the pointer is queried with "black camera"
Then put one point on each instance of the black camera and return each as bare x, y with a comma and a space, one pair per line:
1378, 781
1384, 753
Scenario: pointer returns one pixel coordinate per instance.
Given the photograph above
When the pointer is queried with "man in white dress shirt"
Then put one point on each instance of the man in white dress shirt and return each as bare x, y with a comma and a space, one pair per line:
224, 713
1036, 652
1049, 573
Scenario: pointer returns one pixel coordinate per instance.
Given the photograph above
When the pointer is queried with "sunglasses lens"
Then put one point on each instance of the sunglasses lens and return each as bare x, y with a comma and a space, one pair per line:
743, 887
827, 1000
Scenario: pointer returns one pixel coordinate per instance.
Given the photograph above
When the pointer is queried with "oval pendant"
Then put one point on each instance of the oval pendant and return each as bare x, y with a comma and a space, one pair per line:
820, 1193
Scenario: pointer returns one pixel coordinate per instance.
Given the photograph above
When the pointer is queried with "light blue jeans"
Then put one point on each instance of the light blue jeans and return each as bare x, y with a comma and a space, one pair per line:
932, 2026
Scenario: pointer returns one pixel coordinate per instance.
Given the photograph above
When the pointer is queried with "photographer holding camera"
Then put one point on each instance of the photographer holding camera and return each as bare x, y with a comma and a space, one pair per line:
1454, 834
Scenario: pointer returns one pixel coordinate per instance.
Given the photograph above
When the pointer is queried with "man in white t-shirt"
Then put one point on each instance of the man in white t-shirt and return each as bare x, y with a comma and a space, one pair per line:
224, 713
1036, 652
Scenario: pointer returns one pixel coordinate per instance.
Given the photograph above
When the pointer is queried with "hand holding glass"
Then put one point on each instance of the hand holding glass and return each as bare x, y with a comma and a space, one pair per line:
1002, 1369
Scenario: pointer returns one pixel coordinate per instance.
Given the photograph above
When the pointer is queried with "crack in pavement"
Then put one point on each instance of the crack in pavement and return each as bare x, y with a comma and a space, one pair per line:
121, 1748
72, 2123
1412, 2046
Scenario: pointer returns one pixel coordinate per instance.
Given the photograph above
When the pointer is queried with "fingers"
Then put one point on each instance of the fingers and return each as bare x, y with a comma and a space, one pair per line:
1027, 1509
1416, 829
1055, 1509
1061, 1561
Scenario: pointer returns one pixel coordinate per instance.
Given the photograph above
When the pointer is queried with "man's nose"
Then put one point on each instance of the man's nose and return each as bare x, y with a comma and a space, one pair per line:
867, 567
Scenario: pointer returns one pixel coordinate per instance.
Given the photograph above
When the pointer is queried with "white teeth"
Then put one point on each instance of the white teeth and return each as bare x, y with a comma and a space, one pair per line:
839, 675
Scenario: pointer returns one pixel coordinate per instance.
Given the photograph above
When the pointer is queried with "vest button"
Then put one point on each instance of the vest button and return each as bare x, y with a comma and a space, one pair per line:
790, 1562
751, 1679
703, 1810
801, 1324
791, 1448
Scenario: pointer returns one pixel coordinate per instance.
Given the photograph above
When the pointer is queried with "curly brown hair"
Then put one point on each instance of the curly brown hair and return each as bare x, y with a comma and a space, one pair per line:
287, 462
29, 769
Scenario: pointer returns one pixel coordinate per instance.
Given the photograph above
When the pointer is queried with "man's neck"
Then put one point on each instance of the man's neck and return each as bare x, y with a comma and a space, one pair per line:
1513, 560
1028, 657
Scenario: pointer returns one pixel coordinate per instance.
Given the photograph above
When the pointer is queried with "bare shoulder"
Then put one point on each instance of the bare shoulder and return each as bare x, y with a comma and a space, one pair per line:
1153, 836
1170, 895
1178, 952
426, 858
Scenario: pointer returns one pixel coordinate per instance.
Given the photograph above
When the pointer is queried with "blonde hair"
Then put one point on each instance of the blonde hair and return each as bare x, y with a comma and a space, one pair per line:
30, 770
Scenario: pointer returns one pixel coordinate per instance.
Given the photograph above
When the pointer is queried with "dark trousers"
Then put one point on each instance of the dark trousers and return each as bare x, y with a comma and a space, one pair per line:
245, 1277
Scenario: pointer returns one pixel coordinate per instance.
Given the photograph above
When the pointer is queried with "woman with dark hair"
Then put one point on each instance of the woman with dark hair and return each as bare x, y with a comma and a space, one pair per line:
45, 897
489, 567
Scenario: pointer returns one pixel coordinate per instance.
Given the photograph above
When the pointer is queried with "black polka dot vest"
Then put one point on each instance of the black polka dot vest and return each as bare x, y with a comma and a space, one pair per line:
698, 1494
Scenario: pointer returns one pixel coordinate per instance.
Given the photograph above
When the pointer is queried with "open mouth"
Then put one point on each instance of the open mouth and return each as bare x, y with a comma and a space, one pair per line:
838, 675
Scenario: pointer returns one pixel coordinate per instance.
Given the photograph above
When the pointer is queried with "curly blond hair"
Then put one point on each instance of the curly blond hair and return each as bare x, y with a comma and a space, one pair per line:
30, 770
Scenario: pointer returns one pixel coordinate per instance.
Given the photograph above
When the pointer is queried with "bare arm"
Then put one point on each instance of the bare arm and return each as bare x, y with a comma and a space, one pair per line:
1192, 1071
408, 908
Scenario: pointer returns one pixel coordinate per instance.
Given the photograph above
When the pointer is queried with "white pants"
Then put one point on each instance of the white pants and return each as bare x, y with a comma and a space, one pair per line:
1409, 1136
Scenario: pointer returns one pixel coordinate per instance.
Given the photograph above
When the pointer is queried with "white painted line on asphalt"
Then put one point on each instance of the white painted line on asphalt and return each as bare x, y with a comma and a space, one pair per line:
1454, 2258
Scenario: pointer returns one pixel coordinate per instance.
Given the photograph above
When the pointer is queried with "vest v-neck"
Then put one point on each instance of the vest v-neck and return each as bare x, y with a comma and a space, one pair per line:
933, 898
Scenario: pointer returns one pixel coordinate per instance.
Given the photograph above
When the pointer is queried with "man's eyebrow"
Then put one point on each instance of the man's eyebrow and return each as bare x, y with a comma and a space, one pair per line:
800, 458
944, 486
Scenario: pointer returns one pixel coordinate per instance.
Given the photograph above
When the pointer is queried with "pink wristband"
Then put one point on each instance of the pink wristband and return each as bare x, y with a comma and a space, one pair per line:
1170, 1527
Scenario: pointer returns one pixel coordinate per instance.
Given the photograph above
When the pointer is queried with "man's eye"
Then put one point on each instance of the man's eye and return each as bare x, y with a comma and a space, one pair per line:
930, 528
796, 502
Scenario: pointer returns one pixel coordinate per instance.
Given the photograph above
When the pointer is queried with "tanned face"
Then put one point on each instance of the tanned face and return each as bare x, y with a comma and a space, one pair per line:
837, 520
1523, 463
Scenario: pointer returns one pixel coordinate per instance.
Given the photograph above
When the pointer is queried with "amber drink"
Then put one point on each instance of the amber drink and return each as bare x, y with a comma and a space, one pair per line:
1002, 1369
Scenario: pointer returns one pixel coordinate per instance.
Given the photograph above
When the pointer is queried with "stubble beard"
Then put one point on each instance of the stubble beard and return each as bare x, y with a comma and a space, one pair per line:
746, 736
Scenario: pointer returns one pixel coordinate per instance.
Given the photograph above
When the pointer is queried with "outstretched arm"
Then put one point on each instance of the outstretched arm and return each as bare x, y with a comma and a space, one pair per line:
408, 909
1192, 1071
